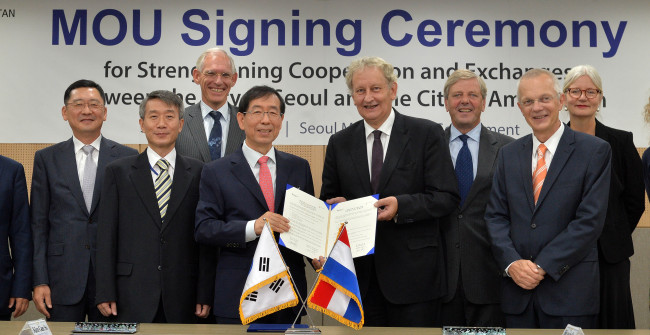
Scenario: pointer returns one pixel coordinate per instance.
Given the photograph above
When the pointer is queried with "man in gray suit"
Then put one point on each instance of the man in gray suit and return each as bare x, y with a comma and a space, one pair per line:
473, 278
211, 130
66, 185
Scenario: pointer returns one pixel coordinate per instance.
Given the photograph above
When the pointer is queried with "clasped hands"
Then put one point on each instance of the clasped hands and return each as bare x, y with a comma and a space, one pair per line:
526, 274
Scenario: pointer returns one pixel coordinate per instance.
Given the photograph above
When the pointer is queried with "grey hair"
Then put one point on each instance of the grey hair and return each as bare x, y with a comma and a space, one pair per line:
201, 60
165, 96
365, 62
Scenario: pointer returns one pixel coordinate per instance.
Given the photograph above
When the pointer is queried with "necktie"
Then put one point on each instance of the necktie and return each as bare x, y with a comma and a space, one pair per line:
377, 161
266, 184
540, 172
464, 169
163, 187
90, 172
214, 141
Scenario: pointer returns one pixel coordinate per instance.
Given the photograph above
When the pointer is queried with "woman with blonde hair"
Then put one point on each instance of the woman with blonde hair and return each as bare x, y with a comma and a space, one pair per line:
584, 94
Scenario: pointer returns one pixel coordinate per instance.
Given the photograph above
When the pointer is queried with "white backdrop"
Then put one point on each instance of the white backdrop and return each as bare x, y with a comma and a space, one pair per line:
48, 45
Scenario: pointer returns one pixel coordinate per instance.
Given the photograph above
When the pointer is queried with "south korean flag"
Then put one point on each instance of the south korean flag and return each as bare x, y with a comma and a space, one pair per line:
268, 287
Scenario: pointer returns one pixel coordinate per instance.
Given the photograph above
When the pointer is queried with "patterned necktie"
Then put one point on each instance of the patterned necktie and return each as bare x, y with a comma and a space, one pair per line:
377, 161
90, 172
266, 183
163, 187
464, 169
214, 142
540, 172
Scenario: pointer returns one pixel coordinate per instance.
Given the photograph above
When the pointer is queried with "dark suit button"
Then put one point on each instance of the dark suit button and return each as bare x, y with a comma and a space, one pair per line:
457, 245
533, 226
162, 240
87, 246
460, 216
159, 267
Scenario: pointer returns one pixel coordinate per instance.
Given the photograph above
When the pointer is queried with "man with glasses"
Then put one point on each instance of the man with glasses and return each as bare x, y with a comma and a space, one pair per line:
211, 129
66, 187
241, 192
546, 211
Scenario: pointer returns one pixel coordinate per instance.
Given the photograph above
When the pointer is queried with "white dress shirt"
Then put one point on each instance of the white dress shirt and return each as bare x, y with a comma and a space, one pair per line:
208, 122
80, 155
252, 157
385, 129
155, 169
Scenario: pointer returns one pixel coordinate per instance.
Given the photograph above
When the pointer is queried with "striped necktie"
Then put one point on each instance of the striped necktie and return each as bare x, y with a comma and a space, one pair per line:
163, 187
540, 172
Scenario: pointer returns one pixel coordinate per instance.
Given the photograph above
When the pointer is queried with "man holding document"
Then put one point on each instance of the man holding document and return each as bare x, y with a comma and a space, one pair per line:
406, 161
240, 193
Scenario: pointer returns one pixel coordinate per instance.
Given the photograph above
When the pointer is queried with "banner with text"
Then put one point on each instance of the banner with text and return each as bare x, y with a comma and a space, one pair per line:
303, 47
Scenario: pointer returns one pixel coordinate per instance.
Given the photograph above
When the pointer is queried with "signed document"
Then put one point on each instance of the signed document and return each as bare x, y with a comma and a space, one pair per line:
315, 224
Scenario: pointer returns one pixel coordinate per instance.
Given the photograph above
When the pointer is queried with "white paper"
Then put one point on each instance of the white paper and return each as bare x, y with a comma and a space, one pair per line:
314, 228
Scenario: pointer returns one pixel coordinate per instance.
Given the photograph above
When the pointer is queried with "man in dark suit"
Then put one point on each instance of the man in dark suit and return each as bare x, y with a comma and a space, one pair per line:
16, 248
403, 282
202, 137
240, 193
546, 211
66, 186
473, 277
151, 270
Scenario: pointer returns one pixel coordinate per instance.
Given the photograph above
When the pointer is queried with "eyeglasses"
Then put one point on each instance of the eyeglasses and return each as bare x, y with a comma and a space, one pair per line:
543, 100
577, 93
92, 105
224, 75
258, 115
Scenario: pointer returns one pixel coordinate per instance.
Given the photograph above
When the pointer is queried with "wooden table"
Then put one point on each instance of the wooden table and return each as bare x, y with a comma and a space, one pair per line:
65, 328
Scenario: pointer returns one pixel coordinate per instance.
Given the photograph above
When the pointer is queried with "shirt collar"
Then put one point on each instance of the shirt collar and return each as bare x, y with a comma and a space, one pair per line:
385, 127
205, 110
474, 134
78, 144
552, 142
154, 157
252, 156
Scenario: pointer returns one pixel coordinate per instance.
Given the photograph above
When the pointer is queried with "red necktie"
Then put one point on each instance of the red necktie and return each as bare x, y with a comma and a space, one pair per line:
265, 182
540, 172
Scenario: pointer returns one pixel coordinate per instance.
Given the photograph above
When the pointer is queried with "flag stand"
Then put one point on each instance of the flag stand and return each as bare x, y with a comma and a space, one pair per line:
313, 329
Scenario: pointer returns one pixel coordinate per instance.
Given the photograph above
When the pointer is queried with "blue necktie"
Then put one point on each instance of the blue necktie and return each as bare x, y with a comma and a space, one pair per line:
464, 169
214, 141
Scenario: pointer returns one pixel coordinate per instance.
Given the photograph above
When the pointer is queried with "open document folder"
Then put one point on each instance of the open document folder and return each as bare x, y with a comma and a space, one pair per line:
315, 224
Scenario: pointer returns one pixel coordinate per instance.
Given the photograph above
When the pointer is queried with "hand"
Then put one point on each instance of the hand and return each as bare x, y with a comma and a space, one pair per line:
42, 299
277, 222
318, 263
21, 305
202, 311
386, 208
336, 200
525, 274
108, 308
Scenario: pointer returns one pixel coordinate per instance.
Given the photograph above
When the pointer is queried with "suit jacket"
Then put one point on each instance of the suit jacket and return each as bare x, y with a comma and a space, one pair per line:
15, 234
467, 243
626, 200
560, 232
143, 258
192, 141
64, 231
230, 197
408, 259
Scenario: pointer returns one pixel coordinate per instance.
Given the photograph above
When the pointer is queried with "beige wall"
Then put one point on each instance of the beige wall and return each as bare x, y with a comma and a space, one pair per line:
315, 154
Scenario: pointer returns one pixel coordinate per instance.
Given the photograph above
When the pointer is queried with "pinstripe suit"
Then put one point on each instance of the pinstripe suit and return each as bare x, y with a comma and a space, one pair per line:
193, 142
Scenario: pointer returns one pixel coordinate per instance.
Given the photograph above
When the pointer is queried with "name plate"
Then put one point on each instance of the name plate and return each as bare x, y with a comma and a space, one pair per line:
473, 331
106, 327
36, 327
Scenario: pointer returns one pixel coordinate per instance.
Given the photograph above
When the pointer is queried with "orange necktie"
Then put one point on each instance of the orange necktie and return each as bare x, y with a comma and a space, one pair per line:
540, 172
